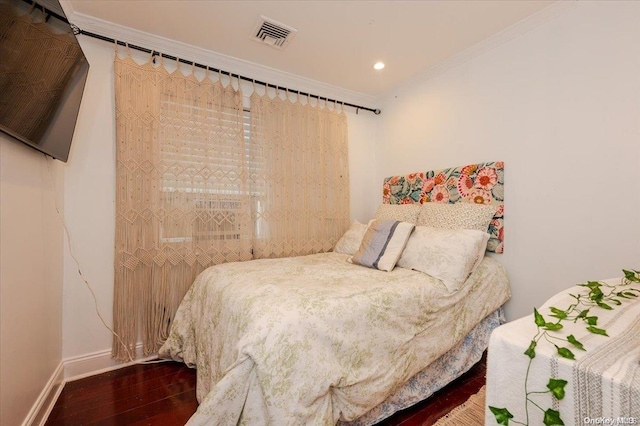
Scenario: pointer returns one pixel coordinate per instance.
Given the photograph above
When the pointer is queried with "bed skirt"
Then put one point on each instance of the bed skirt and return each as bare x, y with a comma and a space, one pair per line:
437, 375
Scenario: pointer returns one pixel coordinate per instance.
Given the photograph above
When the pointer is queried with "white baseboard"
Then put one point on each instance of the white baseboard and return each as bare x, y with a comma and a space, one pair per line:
47, 399
75, 368
82, 366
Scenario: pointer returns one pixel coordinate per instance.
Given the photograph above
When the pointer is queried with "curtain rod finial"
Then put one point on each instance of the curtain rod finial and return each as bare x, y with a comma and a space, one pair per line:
377, 111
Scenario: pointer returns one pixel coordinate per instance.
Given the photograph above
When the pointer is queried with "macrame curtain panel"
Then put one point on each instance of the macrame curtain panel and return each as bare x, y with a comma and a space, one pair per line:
198, 185
302, 177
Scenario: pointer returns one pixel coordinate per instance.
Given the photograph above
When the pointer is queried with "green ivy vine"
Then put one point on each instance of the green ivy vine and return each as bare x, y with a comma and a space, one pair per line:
584, 308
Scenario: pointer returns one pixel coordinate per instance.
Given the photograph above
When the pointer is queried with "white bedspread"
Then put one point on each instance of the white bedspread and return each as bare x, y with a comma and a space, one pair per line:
315, 339
603, 382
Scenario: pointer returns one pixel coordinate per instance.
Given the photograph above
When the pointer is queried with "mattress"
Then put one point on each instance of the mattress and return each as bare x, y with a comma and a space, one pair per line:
315, 339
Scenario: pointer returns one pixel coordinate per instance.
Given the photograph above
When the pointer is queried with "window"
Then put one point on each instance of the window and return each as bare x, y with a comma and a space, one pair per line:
205, 162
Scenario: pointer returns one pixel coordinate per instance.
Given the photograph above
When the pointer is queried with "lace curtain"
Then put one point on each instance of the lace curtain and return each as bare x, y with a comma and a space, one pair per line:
302, 176
199, 183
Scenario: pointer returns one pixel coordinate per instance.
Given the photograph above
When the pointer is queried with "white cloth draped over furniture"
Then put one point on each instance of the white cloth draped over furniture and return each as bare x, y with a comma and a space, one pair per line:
198, 185
603, 381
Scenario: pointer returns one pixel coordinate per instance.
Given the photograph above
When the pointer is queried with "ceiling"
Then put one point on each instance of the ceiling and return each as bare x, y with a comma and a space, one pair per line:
337, 42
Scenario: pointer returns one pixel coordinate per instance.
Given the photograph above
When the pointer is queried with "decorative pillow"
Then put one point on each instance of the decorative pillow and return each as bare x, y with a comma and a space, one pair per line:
350, 241
447, 254
402, 212
457, 216
383, 244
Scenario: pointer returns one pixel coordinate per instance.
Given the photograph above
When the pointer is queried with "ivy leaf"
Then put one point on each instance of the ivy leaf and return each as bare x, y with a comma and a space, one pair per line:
556, 386
552, 326
596, 295
616, 301
539, 319
502, 415
592, 285
631, 275
552, 417
565, 353
583, 314
596, 330
558, 313
592, 320
621, 294
628, 293
604, 306
571, 339
531, 352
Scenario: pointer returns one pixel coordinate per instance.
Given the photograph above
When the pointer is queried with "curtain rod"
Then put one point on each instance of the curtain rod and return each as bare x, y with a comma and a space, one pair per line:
77, 31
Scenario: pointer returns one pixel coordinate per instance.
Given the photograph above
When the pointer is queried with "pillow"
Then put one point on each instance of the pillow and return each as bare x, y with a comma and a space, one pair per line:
350, 241
449, 255
457, 216
402, 212
382, 244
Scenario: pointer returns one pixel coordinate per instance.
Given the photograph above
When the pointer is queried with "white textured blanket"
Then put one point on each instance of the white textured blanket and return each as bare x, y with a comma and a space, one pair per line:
315, 339
603, 382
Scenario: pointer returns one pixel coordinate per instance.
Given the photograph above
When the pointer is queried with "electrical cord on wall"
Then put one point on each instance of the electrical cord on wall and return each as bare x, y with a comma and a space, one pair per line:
95, 299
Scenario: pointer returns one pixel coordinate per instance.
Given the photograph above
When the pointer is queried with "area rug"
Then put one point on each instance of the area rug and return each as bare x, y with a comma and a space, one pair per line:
470, 413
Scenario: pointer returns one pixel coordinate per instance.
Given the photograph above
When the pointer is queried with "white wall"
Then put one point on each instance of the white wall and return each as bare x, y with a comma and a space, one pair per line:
90, 201
363, 134
30, 277
560, 105
90, 210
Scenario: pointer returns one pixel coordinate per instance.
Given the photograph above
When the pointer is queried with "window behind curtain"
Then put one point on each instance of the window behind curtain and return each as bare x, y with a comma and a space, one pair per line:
208, 174
182, 196
302, 157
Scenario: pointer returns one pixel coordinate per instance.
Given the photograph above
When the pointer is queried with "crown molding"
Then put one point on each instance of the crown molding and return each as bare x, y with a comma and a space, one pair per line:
214, 59
281, 78
528, 24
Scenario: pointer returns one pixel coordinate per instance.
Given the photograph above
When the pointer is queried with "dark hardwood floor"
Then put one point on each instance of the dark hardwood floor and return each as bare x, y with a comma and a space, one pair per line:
165, 394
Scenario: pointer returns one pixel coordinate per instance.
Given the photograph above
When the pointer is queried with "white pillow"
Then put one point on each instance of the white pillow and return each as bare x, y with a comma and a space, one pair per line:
457, 216
449, 255
350, 241
402, 212
383, 244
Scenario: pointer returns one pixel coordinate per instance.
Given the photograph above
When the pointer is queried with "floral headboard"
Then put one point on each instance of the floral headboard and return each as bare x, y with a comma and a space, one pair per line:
481, 183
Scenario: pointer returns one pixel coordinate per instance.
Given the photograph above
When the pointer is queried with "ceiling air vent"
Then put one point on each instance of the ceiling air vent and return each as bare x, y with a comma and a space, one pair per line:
273, 33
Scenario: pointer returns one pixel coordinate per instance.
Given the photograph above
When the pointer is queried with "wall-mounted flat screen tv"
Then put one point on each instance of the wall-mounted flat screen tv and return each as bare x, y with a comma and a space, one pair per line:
42, 75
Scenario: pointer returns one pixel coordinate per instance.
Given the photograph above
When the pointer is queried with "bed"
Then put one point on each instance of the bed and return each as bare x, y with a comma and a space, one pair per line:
319, 340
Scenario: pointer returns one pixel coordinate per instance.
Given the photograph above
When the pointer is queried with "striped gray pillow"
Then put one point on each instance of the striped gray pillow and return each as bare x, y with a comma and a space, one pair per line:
383, 244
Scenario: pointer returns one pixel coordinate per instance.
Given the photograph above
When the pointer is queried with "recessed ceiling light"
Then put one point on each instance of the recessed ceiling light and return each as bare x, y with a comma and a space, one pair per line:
378, 65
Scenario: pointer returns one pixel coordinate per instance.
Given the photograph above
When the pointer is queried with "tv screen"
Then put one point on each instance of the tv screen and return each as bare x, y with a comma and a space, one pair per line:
42, 75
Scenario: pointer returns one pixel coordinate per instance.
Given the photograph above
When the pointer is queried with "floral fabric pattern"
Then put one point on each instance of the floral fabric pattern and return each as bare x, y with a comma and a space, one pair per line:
438, 374
297, 341
447, 254
403, 213
481, 183
457, 216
